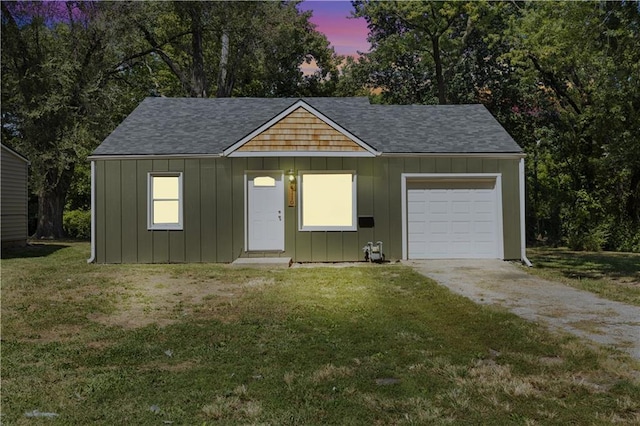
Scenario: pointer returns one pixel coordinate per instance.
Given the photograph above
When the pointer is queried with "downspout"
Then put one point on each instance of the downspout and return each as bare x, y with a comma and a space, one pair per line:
93, 213
523, 240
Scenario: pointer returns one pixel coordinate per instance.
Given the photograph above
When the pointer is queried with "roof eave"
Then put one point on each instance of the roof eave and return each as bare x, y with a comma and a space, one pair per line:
16, 154
150, 156
344, 154
498, 155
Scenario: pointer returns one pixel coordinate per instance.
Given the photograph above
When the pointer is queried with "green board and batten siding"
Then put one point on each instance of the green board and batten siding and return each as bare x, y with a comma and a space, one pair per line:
214, 207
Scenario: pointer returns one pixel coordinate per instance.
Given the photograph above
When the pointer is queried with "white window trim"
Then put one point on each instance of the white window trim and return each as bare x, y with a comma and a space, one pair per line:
164, 226
354, 199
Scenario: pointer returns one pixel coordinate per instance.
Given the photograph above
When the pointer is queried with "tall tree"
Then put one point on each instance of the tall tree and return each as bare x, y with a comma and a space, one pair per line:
57, 98
232, 48
413, 45
583, 59
562, 77
72, 70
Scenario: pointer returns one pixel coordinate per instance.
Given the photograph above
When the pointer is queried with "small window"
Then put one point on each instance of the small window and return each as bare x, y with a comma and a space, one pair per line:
165, 201
264, 181
327, 201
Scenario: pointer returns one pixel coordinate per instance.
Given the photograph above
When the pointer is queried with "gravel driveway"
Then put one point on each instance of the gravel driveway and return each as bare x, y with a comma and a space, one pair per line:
561, 307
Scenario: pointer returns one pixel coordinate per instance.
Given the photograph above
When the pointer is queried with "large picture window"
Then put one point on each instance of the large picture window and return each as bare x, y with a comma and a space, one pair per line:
327, 201
165, 201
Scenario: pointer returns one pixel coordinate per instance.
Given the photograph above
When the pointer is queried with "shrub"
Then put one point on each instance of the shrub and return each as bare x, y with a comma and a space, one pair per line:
625, 236
77, 224
583, 223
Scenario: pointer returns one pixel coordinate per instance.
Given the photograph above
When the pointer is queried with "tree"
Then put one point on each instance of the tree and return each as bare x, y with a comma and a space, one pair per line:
72, 71
232, 48
352, 78
414, 44
58, 100
583, 59
563, 78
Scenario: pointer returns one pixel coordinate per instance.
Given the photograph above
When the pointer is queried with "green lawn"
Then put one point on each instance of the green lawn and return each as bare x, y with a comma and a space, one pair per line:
210, 344
614, 276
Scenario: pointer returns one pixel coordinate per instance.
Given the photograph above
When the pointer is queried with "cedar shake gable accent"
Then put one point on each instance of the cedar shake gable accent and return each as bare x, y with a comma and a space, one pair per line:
301, 131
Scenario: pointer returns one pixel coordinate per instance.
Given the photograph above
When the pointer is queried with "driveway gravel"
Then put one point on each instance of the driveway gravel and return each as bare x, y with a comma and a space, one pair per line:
495, 282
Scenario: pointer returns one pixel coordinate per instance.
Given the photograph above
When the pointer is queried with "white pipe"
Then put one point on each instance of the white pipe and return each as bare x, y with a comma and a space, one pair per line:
93, 213
523, 240
403, 211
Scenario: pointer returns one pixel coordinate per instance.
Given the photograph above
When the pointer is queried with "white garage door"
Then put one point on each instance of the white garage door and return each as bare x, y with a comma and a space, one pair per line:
454, 219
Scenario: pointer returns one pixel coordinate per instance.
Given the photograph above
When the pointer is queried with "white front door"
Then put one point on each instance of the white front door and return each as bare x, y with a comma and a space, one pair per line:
265, 211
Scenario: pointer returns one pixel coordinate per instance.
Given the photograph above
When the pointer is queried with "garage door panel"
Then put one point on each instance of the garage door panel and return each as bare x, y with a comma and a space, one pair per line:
460, 207
461, 228
415, 196
439, 207
461, 248
437, 227
486, 224
419, 232
440, 248
454, 222
417, 208
480, 207
414, 217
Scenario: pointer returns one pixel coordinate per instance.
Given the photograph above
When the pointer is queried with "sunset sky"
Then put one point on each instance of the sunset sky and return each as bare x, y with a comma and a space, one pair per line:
347, 35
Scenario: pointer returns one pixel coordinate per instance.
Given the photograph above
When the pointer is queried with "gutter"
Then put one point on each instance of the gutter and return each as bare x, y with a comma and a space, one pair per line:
93, 213
523, 241
151, 156
496, 155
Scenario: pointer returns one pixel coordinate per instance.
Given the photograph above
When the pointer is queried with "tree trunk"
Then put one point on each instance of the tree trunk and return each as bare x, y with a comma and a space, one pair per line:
51, 201
633, 202
442, 97
224, 89
198, 79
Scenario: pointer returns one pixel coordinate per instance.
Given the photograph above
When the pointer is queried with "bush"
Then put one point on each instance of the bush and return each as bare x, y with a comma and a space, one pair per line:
77, 224
625, 236
583, 223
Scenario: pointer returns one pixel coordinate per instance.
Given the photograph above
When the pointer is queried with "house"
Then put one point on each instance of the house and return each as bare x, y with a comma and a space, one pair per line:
15, 198
311, 179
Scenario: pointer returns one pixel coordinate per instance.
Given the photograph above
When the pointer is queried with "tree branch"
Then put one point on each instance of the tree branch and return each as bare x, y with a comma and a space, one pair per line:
116, 68
22, 44
175, 69
450, 22
551, 79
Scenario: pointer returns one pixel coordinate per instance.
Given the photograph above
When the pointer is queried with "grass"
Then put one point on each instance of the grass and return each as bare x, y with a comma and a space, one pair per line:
211, 344
614, 276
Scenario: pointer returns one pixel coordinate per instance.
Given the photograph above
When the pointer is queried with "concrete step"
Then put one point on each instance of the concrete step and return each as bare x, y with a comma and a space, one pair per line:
262, 262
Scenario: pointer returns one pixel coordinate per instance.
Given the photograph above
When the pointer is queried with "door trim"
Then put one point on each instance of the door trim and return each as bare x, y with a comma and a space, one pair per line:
248, 173
453, 176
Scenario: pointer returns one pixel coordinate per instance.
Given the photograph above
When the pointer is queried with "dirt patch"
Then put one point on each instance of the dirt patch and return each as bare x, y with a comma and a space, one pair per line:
164, 299
181, 366
330, 372
102, 344
56, 333
589, 326
627, 282
551, 360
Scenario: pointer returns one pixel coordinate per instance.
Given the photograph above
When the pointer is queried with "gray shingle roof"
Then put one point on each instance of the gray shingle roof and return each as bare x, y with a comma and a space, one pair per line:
208, 126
